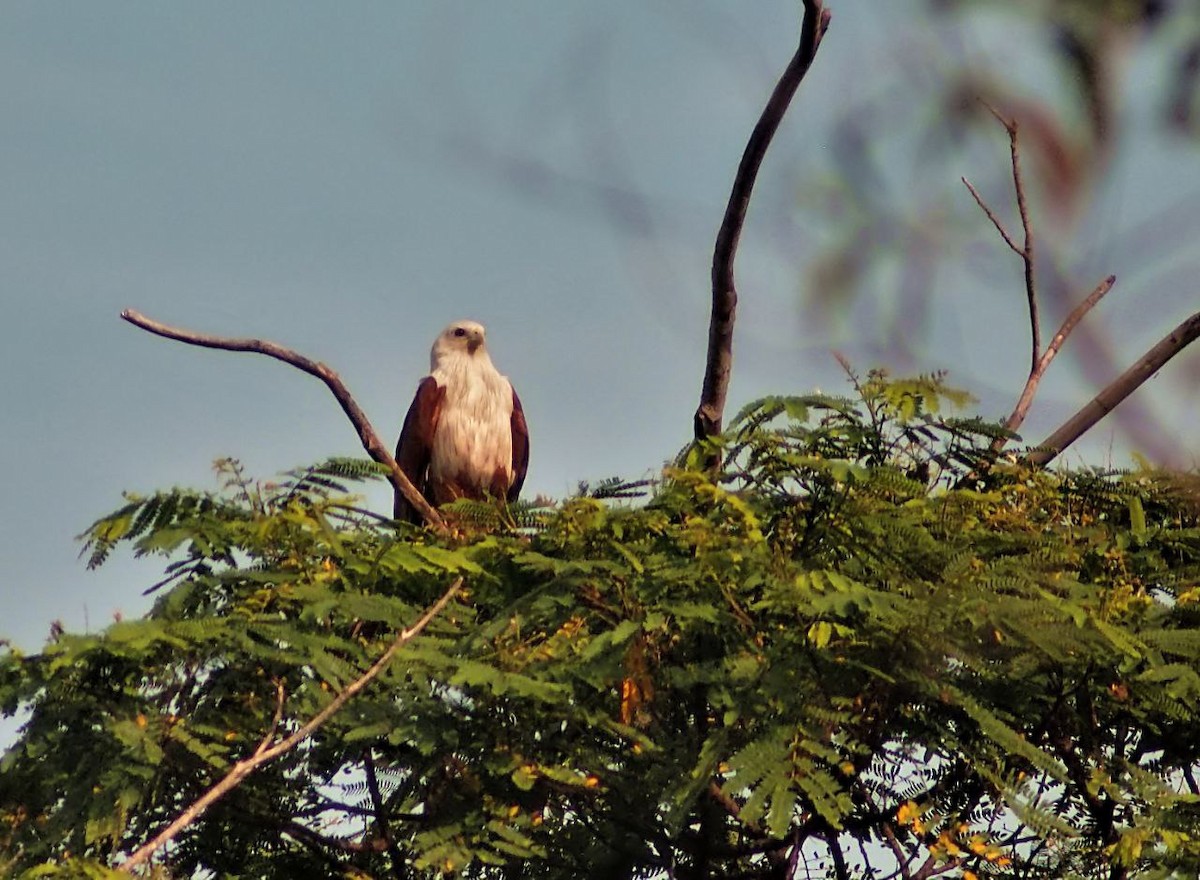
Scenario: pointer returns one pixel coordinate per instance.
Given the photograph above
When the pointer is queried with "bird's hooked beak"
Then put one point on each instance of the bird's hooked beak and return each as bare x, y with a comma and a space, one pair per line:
474, 341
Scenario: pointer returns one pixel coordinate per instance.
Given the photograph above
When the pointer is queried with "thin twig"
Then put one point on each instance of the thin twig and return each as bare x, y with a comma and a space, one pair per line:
902, 862
1075, 317
991, 215
366, 433
1017, 416
265, 753
280, 696
1039, 360
1124, 385
381, 817
1026, 250
719, 363
1027, 226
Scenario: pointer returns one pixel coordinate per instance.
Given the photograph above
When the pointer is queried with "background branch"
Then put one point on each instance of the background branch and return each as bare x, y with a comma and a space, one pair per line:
1039, 360
1026, 250
366, 433
1027, 254
1017, 416
263, 754
719, 363
1124, 385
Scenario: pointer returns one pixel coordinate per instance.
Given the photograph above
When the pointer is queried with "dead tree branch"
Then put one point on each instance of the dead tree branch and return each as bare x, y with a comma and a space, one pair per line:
710, 413
266, 752
1039, 360
1027, 228
991, 215
1124, 385
366, 433
1026, 250
1017, 416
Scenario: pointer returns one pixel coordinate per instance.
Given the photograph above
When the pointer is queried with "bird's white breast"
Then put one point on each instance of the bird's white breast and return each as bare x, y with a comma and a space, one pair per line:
473, 439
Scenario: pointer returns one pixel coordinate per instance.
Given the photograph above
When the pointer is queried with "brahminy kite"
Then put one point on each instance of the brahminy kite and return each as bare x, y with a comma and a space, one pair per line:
465, 434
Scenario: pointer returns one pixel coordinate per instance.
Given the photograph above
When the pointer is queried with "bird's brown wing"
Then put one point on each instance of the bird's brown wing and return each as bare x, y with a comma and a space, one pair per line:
416, 442
520, 448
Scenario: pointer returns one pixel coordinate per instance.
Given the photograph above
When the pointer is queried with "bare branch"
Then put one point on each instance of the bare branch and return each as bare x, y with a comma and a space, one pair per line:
1124, 385
366, 433
1075, 317
262, 755
991, 215
1027, 255
1017, 416
280, 696
719, 363
902, 860
381, 816
1026, 250
1039, 360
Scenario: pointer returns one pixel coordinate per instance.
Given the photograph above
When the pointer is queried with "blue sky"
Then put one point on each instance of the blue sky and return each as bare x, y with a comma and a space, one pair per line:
347, 179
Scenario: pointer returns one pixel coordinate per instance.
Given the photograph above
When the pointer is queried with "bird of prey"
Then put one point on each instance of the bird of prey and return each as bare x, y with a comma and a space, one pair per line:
465, 434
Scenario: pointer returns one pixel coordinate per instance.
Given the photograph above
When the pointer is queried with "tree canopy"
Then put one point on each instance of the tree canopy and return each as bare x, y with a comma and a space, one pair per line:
842, 637
867, 646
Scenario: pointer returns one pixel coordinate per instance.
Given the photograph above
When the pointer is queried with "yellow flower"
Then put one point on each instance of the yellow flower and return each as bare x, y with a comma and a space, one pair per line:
910, 814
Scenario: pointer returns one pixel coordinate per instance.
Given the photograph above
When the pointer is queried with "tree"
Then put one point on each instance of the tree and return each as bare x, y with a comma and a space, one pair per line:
842, 636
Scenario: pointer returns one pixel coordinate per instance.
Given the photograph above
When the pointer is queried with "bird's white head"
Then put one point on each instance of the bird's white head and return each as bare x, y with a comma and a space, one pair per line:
460, 339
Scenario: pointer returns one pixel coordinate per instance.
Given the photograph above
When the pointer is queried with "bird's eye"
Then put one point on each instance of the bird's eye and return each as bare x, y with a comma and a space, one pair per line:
459, 331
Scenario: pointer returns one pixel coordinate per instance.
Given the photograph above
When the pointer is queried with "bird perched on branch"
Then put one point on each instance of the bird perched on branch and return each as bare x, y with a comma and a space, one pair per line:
465, 434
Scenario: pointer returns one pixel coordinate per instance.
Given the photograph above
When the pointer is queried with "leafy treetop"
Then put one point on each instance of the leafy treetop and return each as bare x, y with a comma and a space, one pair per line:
866, 646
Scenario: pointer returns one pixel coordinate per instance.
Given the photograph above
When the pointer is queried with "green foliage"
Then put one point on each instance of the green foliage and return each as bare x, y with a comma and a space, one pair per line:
864, 629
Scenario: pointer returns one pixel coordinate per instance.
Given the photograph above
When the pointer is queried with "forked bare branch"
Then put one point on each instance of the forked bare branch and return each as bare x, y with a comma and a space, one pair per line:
1124, 385
1017, 416
366, 432
1026, 250
719, 363
1039, 360
266, 752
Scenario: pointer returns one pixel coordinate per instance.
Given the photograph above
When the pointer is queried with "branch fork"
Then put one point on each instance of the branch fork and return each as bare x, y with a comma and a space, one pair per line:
1040, 359
366, 432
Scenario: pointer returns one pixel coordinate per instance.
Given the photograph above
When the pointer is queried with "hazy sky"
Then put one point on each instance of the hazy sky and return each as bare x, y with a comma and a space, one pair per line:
345, 179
